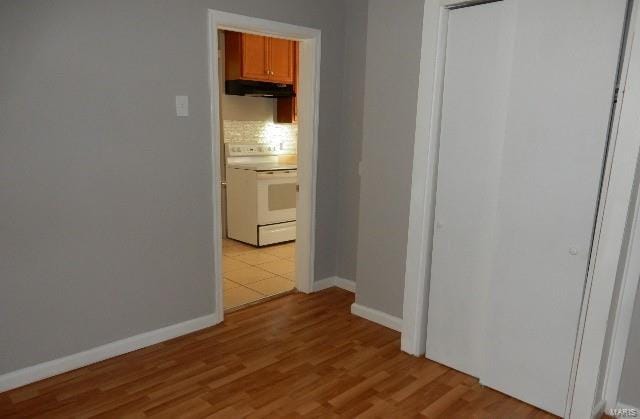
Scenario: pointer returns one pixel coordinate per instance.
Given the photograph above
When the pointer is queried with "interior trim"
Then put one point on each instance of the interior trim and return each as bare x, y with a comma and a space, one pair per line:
377, 316
334, 281
309, 106
57, 366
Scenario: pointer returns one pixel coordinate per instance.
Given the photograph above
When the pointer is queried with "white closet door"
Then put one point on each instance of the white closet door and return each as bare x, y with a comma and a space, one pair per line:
526, 105
478, 59
562, 82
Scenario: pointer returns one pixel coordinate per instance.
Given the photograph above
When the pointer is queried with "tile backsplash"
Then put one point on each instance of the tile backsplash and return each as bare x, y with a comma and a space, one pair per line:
261, 132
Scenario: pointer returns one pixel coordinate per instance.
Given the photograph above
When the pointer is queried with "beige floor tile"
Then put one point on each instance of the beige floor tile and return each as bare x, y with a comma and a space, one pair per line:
272, 286
227, 243
232, 247
235, 250
232, 242
228, 284
279, 267
247, 275
230, 264
291, 276
255, 257
287, 251
239, 296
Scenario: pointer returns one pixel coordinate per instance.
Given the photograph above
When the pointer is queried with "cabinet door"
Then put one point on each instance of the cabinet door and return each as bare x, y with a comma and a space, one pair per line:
281, 60
287, 107
286, 110
254, 57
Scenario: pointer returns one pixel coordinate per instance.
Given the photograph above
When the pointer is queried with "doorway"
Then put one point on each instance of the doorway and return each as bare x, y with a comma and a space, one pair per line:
273, 249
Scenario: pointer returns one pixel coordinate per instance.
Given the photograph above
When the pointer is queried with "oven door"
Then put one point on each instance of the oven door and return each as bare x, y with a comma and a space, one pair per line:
277, 196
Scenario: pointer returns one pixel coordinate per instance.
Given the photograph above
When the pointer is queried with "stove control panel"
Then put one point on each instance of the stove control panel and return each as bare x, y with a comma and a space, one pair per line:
236, 150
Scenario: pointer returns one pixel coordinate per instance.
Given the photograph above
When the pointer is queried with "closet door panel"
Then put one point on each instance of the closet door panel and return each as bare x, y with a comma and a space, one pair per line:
478, 58
562, 82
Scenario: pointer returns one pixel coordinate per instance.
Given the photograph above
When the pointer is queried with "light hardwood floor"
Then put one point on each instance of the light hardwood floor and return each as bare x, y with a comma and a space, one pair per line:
295, 356
254, 273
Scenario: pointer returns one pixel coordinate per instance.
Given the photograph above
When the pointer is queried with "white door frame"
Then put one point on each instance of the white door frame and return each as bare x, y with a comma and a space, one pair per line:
615, 201
621, 322
308, 107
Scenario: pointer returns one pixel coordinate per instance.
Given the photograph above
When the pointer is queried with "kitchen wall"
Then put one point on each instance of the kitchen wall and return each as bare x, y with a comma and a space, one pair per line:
106, 196
261, 132
249, 120
247, 108
355, 49
394, 31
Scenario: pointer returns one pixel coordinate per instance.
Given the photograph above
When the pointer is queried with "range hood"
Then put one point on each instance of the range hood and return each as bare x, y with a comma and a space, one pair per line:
258, 88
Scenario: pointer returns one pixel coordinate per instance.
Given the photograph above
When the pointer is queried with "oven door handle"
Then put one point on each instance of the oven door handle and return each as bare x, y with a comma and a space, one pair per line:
285, 174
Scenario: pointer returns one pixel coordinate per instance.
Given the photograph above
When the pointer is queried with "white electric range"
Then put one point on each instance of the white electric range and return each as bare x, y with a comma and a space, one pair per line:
261, 195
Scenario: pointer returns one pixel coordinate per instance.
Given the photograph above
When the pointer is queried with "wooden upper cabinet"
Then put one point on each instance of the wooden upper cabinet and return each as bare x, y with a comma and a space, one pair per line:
287, 107
255, 57
281, 60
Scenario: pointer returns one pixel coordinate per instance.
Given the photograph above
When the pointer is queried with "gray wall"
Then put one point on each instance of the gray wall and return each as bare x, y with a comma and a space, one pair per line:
351, 144
106, 196
394, 32
630, 382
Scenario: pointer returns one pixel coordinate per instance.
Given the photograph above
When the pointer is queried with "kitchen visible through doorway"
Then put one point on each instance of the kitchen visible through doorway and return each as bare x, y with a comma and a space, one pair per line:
259, 139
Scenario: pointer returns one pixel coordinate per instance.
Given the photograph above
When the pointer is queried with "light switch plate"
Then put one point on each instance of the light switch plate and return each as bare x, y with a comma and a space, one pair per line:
182, 105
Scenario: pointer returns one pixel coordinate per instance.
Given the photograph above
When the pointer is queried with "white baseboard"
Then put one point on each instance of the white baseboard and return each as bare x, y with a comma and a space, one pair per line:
334, 281
47, 369
377, 316
345, 284
598, 409
323, 284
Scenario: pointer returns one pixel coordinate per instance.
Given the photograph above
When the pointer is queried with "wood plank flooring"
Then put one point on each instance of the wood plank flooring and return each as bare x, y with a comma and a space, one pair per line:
295, 356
